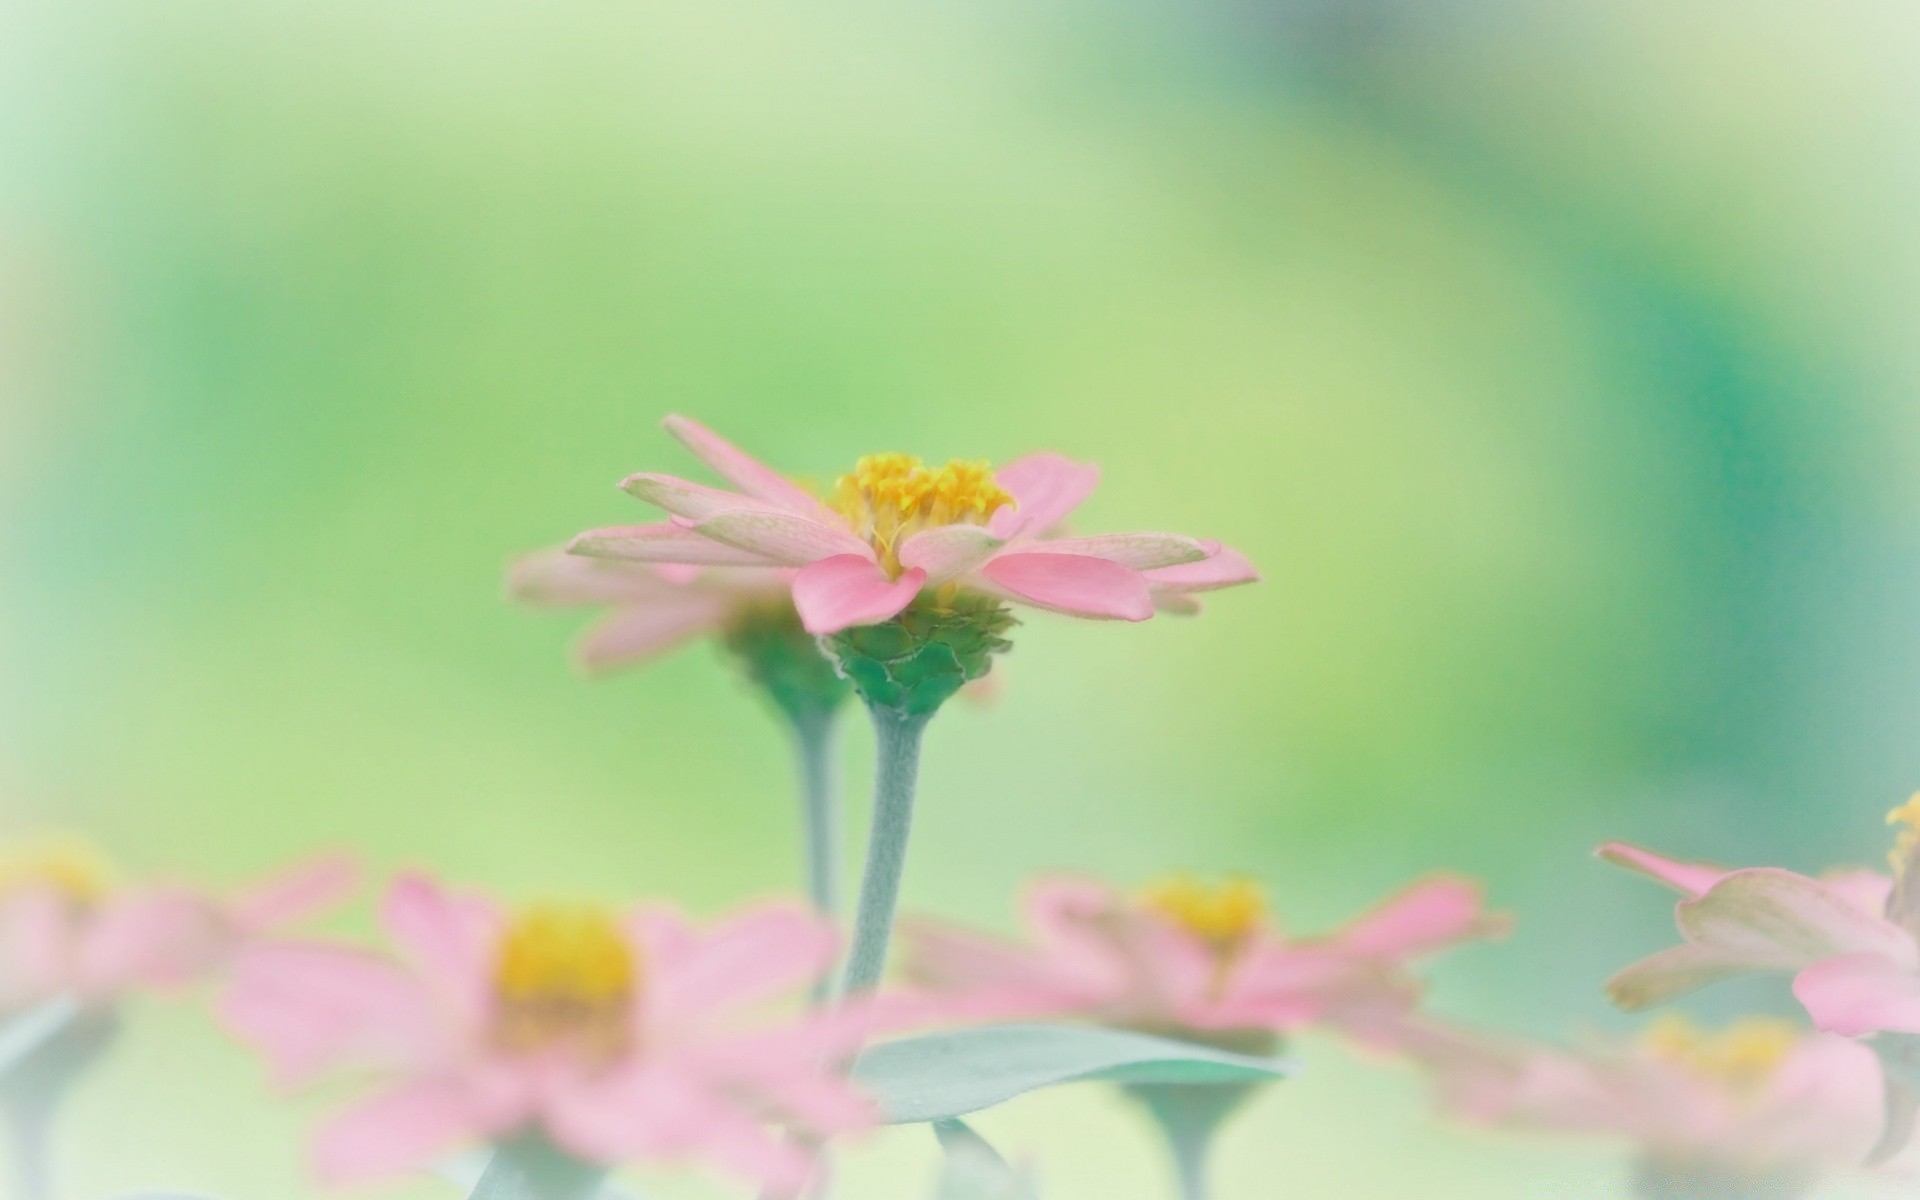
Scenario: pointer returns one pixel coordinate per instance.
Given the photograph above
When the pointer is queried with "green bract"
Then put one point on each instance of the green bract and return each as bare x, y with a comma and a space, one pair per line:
916, 661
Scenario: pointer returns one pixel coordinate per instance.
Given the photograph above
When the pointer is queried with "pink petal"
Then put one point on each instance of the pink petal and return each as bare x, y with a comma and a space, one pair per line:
948, 552
1425, 917
37, 933
162, 936
394, 1132
739, 468
1045, 488
1226, 568
846, 589
1690, 878
684, 498
1073, 584
1141, 551
663, 543
302, 891
1673, 972
1865, 890
760, 954
1778, 919
1825, 1102
1856, 994
308, 1008
451, 936
643, 631
783, 538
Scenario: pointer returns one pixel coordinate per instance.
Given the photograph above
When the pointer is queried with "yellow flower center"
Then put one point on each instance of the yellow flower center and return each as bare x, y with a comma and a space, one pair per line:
1225, 915
1744, 1054
73, 868
890, 497
1907, 817
565, 976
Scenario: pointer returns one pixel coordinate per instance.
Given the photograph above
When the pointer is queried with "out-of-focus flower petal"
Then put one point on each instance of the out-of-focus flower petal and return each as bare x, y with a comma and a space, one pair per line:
1673, 972
782, 537
1779, 919
308, 1008
848, 589
1855, 994
36, 927
1425, 917
305, 890
1045, 488
1226, 567
1074, 584
158, 936
451, 935
393, 1132
1690, 878
643, 631
741, 960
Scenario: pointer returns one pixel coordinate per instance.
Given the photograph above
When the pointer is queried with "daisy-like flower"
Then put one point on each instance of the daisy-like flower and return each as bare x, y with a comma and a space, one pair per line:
1196, 961
895, 529
1757, 1109
1848, 938
69, 931
611, 1037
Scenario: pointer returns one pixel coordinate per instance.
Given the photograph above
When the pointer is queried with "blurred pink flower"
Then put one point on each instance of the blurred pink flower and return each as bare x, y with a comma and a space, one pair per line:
1197, 961
1759, 1104
655, 607
66, 930
1848, 939
616, 1038
896, 528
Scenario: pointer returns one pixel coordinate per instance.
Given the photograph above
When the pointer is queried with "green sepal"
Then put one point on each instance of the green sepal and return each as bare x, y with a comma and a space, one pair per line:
786, 662
915, 662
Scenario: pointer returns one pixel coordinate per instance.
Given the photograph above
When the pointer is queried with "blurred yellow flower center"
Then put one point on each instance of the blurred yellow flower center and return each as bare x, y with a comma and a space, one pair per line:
565, 976
1225, 915
890, 497
1744, 1054
73, 868
1907, 817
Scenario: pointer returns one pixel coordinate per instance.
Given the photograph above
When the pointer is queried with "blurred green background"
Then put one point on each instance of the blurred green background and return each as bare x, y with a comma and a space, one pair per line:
1556, 362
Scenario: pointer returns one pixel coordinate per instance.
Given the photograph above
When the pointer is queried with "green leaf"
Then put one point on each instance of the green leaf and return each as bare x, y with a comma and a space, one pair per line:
468, 1171
973, 1169
945, 1075
31, 1030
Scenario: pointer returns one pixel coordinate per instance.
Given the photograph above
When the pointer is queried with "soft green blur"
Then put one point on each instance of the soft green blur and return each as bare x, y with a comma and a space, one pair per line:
1555, 362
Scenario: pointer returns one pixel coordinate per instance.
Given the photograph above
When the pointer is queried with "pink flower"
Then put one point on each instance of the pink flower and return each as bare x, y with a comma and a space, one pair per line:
67, 931
615, 1037
1759, 1103
1198, 961
654, 607
1852, 952
896, 528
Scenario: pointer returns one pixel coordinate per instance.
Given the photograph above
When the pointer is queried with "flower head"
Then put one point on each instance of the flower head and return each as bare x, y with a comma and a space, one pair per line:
896, 530
69, 927
1199, 960
616, 1036
1758, 1108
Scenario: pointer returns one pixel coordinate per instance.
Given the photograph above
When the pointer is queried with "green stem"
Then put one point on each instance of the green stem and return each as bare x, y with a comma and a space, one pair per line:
896, 774
815, 749
530, 1168
30, 1127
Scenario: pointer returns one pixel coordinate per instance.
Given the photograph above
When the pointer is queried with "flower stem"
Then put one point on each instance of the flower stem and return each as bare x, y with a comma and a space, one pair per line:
30, 1127
814, 751
530, 1168
896, 774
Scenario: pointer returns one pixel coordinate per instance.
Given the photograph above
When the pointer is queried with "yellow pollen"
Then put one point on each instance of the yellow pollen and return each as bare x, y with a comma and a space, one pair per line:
72, 867
890, 497
565, 974
1744, 1054
1907, 816
1225, 915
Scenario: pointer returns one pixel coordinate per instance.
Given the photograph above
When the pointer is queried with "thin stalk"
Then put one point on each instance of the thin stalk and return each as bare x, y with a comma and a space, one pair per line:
815, 754
30, 1127
895, 777
1189, 1163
